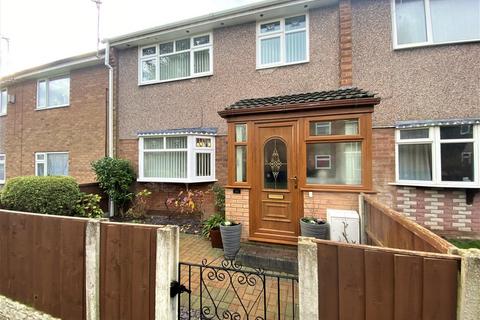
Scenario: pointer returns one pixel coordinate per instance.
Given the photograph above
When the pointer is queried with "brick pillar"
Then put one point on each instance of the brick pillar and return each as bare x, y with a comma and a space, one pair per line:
345, 13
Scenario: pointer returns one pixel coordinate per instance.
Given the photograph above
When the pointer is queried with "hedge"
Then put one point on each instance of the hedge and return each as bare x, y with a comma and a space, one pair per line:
53, 195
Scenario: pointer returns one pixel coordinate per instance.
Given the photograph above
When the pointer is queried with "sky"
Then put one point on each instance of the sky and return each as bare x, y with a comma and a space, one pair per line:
41, 31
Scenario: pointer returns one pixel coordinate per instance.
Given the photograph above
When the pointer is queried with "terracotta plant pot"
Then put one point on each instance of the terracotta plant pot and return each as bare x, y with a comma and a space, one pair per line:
216, 238
231, 240
315, 230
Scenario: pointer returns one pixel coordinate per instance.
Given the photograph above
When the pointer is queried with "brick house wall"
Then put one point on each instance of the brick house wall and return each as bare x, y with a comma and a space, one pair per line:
79, 129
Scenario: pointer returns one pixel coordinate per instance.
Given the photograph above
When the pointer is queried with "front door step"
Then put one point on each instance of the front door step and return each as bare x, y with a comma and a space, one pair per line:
269, 257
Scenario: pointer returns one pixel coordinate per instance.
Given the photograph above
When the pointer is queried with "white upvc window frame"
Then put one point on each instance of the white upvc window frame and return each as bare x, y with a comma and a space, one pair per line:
45, 162
192, 50
435, 141
3, 112
428, 22
282, 32
191, 150
3, 161
47, 81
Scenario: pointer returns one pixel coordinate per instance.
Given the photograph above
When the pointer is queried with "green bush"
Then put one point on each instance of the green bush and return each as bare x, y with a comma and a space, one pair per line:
52, 195
88, 206
219, 195
115, 177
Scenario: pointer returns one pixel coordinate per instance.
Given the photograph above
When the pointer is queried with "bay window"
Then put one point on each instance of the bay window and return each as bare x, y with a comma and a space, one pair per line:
444, 155
51, 164
2, 168
186, 158
282, 41
3, 102
177, 59
424, 22
53, 92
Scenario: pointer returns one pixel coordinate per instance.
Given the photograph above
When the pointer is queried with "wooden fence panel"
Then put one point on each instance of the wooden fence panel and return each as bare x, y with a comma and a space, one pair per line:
127, 271
42, 262
365, 282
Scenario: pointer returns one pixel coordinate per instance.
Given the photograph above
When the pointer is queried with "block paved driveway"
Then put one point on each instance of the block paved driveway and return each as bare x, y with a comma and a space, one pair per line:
224, 292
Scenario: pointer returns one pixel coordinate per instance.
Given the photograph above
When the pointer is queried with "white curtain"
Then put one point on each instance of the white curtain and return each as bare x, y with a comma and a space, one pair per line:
2, 171
57, 164
270, 50
410, 21
353, 162
455, 20
201, 61
415, 162
296, 45
171, 164
175, 66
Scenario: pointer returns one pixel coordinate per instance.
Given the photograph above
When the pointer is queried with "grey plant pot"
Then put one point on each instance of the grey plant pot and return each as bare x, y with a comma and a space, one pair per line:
319, 231
231, 240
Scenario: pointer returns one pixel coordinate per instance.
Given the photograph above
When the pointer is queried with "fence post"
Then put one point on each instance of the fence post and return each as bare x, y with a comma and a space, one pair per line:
361, 212
166, 271
308, 278
92, 269
468, 307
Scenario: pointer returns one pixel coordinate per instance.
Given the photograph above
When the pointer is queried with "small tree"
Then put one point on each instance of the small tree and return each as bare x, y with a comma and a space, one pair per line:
115, 177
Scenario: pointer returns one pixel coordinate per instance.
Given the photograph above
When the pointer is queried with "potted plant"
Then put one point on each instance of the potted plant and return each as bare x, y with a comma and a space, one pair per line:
231, 233
211, 229
315, 228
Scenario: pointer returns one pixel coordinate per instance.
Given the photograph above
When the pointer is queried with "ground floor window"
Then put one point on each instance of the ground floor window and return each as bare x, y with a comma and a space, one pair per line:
443, 155
186, 158
51, 164
2, 168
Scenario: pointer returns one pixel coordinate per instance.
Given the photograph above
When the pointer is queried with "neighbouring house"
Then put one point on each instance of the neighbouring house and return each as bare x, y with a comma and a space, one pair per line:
53, 119
322, 100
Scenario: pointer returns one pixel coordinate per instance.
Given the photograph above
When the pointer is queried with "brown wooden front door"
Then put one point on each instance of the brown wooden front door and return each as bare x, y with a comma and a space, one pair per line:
275, 193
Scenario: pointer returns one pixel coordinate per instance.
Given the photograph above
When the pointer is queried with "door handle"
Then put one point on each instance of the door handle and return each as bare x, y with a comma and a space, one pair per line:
295, 181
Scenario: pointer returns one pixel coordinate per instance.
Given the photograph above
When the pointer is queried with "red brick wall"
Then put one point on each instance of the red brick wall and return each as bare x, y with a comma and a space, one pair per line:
79, 128
128, 149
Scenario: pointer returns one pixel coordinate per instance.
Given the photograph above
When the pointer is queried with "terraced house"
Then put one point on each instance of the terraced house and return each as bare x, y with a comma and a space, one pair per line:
298, 106
53, 119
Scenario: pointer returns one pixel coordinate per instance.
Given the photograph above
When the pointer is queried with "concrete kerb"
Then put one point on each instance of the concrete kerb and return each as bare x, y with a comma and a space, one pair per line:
308, 278
166, 271
468, 306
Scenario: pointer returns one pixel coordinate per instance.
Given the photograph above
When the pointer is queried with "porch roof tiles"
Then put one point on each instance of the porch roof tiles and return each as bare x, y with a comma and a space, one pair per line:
310, 97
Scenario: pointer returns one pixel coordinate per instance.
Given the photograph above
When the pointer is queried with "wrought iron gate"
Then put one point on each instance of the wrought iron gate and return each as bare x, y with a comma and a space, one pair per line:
227, 290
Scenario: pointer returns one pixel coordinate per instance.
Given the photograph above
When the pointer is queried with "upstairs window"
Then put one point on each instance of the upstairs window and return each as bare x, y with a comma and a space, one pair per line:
177, 159
424, 22
2, 169
51, 164
3, 102
53, 92
438, 156
175, 60
282, 41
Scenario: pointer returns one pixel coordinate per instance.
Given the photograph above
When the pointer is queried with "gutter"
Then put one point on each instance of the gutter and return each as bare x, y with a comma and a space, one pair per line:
111, 207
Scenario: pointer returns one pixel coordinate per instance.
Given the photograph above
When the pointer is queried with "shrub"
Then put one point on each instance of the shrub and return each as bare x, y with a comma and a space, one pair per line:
139, 206
115, 177
88, 206
219, 194
188, 201
52, 195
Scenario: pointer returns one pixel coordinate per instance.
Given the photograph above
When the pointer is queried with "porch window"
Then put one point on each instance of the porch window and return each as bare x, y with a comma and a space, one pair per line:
241, 152
53, 92
2, 168
334, 152
424, 22
3, 102
438, 156
176, 59
282, 41
177, 159
51, 164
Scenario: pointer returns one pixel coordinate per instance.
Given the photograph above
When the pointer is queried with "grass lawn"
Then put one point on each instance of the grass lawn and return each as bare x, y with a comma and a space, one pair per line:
465, 243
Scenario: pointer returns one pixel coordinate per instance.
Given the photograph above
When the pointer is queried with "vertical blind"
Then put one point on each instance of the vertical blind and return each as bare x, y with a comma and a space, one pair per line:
57, 164
175, 66
296, 46
171, 164
203, 164
201, 61
270, 50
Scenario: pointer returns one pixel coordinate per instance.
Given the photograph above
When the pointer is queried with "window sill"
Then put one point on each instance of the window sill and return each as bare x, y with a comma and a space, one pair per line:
281, 65
155, 180
432, 185
3, 114
54, 107
146, 83
423, 45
